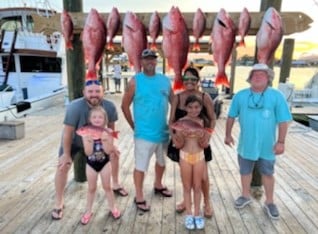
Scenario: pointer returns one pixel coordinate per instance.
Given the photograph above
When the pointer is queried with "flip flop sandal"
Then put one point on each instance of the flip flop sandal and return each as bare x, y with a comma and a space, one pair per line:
57, 214
86, 218
142, 205
163, 192
120, 192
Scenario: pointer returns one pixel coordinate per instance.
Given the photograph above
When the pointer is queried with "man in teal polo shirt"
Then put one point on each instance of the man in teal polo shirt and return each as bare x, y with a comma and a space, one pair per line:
260, 110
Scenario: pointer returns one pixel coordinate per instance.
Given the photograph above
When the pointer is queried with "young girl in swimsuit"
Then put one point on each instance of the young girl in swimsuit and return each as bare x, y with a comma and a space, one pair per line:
97, 152
192, 160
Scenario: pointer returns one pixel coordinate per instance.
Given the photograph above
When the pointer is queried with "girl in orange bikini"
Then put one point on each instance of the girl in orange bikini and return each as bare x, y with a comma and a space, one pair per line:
192, 160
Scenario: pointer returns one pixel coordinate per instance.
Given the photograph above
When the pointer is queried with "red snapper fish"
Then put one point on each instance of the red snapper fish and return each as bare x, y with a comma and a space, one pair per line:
94, 41
223, 38
134, 39
112, 25
198, 27
67, 29
95, 132
244, 26
189, 125
175, 43
269, 36
154, 28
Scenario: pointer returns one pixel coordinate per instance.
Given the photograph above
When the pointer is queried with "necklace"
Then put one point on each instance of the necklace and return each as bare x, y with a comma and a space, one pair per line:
256, 103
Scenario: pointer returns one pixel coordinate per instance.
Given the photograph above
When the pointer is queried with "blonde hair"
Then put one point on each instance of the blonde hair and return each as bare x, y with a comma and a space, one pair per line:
98, 109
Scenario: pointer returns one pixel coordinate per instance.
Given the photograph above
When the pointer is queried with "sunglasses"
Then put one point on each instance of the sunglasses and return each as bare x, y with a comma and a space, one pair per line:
91, 82
149, 53
190, 78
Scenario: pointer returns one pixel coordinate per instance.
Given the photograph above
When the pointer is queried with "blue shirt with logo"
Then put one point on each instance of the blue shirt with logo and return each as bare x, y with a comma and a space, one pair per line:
258, 115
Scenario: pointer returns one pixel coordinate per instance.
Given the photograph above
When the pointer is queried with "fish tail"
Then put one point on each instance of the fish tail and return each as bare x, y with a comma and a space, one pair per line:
110, 46
209, 130
153, 46
242, 43
177, 85
69, 45
196, 47
221, 79
115, 134
91, 75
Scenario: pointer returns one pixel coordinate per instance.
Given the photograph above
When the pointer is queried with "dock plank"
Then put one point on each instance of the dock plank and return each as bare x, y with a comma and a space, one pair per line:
27, 169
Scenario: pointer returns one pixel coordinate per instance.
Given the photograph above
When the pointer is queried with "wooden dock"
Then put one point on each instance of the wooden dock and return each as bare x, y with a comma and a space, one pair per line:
27, 168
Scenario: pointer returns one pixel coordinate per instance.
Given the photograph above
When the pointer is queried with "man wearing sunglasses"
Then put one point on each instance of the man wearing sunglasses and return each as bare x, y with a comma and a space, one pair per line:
77, 116
260, 110
150, 94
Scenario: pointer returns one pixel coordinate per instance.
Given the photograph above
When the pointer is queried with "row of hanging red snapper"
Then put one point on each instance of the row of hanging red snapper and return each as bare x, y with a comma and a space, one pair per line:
225, 35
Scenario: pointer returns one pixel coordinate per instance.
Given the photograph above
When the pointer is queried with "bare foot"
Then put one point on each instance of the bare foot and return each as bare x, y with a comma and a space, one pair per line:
180, 208
208, 211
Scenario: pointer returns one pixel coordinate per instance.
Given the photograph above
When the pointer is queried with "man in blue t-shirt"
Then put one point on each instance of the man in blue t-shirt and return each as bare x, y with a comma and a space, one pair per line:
150, 94
260, 110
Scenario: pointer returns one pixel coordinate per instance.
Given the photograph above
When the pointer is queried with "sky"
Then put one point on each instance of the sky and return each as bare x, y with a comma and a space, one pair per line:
309, 7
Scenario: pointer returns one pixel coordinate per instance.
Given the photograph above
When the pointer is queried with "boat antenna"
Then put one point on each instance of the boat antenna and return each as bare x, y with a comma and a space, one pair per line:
44, 4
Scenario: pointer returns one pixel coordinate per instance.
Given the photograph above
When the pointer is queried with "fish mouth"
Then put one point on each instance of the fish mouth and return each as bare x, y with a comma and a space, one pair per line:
270, 25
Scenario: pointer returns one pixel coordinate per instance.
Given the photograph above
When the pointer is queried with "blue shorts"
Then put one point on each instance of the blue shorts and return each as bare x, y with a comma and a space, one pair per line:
265, 167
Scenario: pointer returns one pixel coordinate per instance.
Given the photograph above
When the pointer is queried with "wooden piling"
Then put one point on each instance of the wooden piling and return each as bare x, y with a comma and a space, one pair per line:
75, 77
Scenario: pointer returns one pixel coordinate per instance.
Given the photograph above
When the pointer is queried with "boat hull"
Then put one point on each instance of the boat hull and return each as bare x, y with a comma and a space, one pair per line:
36, 104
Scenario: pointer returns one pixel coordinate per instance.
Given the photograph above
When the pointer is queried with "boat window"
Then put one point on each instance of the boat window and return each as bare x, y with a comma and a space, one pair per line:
15, 22
11, 25
40, 64
4, 63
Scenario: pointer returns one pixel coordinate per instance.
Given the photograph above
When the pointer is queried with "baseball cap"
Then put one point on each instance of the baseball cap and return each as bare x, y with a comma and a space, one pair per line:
262, 67
148, 53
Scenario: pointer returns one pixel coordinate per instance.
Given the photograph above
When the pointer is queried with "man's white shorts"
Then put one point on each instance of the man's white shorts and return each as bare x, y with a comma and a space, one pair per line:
144, 151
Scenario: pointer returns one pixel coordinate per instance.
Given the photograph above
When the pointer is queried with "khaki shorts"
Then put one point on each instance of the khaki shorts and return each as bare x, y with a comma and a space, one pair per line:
144, 151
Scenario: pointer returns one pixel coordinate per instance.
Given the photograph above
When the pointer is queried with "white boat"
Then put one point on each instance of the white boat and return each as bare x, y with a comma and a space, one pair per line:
30, 63
313, 122
304, 102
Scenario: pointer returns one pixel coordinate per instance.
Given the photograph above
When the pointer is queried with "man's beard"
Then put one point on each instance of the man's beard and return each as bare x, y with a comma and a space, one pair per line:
95, 101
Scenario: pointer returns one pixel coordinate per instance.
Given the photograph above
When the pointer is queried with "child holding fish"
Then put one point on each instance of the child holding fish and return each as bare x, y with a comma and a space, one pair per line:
189, 130
98, 146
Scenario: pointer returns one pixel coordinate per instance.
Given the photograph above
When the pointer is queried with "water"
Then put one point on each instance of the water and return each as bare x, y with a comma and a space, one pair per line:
298, 76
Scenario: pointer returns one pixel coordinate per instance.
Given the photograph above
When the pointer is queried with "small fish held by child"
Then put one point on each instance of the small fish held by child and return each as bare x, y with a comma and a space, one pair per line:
96, 132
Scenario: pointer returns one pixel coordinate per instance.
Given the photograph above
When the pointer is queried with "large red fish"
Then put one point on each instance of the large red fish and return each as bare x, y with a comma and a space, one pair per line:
223, 38
269, 36
175, 43
198, 28
113, 25
94, 41
154, 29
244, 25
190, 126
134, 39
95, 132
67, 29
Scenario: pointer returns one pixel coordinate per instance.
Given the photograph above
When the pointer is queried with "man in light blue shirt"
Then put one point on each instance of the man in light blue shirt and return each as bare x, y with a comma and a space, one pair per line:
260, 109
150, 94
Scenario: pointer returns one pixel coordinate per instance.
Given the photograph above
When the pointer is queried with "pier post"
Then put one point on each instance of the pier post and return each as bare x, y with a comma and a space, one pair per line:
286, 59
265, 4
75, 78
